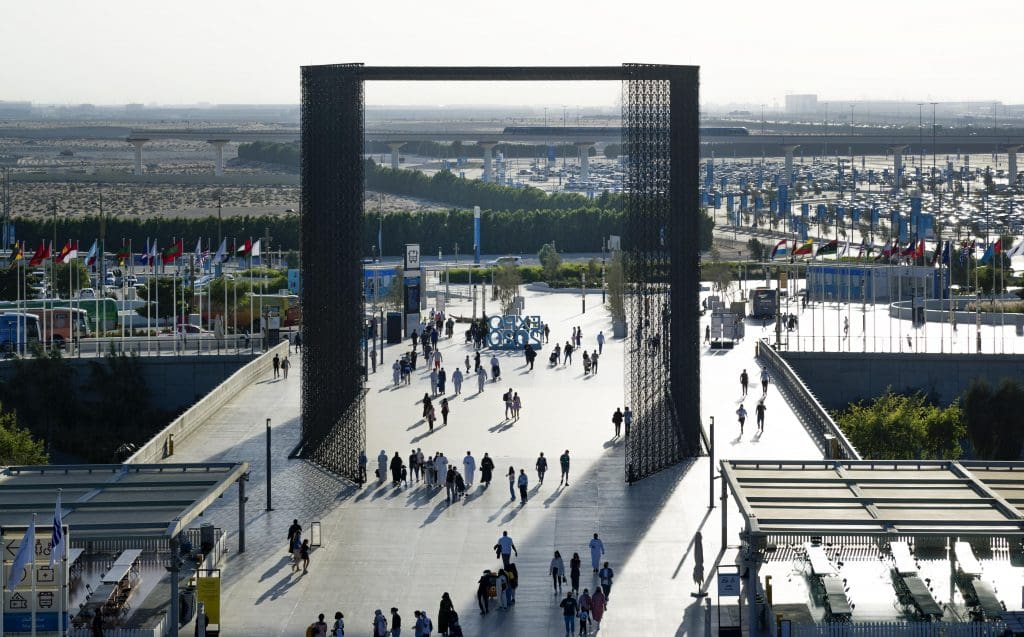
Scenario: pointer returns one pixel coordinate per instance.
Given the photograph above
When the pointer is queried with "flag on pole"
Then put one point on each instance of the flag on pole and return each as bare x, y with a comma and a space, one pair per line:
222, 253
781, 249
152, 254
1017, 249
144, 257
37, 256
57, 545
806, 248
124, 254
245, 249
989, 253
73, 253
173, 251
17, 254
90, 258
63, 254
255, 252
945, 253
829, 248
845, 250
23, 557
199, 249
919, 250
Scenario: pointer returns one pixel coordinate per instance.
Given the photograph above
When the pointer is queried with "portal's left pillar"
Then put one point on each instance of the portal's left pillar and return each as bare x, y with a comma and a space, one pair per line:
138, 142
218, 159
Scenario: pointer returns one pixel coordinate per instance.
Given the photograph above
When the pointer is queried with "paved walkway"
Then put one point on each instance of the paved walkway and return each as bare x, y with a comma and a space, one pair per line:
384, 547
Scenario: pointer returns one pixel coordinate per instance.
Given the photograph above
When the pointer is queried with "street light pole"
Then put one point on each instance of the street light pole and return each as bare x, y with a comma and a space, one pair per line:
934, 150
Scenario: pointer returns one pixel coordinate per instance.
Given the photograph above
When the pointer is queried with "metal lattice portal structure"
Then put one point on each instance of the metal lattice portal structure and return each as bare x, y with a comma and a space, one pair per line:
660, 120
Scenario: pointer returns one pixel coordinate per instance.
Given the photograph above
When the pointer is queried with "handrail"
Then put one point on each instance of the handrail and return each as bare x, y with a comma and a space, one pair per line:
814, 417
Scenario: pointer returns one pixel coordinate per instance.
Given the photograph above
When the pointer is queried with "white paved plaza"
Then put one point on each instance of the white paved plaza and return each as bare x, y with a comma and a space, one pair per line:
384, 547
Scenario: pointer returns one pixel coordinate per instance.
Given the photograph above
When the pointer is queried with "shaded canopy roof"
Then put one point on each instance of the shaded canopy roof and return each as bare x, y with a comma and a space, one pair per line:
886, 498
103, 501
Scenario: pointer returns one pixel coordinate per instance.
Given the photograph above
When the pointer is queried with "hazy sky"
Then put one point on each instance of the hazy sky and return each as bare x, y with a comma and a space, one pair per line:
234, 51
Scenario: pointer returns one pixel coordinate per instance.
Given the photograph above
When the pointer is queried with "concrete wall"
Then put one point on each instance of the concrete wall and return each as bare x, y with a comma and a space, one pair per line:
838, 379
199, 413
174, 382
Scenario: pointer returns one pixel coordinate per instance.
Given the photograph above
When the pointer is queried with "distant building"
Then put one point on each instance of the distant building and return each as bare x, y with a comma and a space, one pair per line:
873, 283
15, 110
805, 104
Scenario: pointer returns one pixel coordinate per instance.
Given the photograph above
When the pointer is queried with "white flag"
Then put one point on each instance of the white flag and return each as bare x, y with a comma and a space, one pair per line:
58, 547
1017, 249
26, 553
222, 252
255, 249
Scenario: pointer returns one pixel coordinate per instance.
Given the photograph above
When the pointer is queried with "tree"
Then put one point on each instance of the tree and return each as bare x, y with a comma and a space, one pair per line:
17, 446
506, 283
79, 278
395, 298
994, 427
719, 273
756, 249
550, 261
896, 426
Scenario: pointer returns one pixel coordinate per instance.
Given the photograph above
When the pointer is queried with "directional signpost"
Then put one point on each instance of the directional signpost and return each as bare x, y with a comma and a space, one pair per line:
43, 596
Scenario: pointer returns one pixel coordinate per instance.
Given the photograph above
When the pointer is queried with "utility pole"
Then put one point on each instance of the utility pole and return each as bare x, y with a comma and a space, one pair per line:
934, 150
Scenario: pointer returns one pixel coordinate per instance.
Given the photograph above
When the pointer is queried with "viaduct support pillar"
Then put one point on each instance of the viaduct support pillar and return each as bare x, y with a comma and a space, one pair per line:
488, 170
897, 166
1011, 158
395, 148
584, 151
138, 142
789, 149
218, 156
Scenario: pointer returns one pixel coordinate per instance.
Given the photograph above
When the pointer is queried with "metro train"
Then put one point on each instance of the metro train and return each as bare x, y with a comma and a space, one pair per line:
710, 131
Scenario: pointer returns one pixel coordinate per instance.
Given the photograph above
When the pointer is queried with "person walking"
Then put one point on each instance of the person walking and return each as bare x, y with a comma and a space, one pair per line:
423, 625
569, 610
486, 469
617, 421
442, 381
444, 411
483, 591
469, 468
605, 575
449, 485
567, 353
481, 379
293, 530
476, 361
764, 381
593, 362
579, 336
338, 630
380, 624
741, 414
277, 365
382, 466
396, 469
542, 467
304, 556
444, 614
319, 626
467, 364
511, 475
585, 603
627, 417
431, 417
600, 342
396, 622
440, 468
414, 465
557, 571
564, 461
596, 551
707, 334
759, 410
362, 467
574, 572
507, 397
744, 379
438, 359
427, 402
396, 373
495, 369
433, 382
505, 547
457, 380
517, 404
502, 585
296, 550
523, 484
598, 604
285, 366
